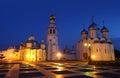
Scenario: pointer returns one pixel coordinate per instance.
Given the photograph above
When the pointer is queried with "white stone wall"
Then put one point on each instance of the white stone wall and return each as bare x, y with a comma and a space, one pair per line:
102, 52
33, 55
68, 56
82, 51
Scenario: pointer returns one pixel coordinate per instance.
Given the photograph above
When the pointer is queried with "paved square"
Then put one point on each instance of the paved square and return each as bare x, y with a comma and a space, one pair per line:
58, 70
62, 72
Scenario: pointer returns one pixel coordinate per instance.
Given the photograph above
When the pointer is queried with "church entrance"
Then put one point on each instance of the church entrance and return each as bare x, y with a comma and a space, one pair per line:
85, 56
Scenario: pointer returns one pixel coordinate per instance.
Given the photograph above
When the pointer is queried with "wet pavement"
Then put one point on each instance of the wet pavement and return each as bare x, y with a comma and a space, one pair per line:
58, 70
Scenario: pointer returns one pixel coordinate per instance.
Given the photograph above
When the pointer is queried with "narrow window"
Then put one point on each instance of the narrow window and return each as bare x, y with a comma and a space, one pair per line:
54, 31
50, 31
97, 50
105, 50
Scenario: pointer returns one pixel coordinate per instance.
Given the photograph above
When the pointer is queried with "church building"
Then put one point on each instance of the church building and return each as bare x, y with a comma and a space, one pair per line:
93, 47
32, 51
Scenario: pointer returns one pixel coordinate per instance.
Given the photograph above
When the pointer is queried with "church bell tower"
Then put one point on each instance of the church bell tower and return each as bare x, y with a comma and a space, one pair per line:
52, 40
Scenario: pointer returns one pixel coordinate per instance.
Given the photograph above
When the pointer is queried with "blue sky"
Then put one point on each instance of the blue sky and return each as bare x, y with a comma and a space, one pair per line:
20, 18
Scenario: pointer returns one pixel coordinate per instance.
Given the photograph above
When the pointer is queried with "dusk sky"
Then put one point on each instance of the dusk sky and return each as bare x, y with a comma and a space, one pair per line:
20, 18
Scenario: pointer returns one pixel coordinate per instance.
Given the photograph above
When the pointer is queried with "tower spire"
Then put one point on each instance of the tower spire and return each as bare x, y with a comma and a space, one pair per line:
52, 17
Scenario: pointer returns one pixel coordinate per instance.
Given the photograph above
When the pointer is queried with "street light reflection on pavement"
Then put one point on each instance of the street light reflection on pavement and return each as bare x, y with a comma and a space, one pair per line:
59, 66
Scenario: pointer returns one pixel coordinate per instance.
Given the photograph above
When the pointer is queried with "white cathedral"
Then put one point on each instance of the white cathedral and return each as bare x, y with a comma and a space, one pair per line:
93, 47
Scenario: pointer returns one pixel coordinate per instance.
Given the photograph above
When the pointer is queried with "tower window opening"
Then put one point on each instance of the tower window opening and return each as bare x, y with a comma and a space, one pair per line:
51, 31
92, 34
54, 31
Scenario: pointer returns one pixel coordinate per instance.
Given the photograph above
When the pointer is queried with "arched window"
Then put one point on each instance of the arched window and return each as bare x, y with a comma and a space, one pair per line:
92, 34
54, 31
50, 31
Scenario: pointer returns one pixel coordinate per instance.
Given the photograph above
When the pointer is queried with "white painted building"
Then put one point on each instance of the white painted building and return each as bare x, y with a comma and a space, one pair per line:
95, 48
52, 40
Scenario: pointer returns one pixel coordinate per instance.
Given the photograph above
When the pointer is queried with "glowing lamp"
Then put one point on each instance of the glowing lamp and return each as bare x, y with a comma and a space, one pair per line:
93, 56
10, 55
89, 45
59, 54
85, 44
27, 55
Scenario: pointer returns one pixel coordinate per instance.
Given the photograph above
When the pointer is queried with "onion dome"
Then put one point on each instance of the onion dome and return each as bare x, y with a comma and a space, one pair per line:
104, 29
52, 17
31, 37
84, 31
52, 21
31, 40
42, 42
42, 45
93, 26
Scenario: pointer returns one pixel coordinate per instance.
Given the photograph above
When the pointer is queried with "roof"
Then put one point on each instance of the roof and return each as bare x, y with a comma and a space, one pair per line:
104, 29
84, 31
52, 17
93, 25
34, 43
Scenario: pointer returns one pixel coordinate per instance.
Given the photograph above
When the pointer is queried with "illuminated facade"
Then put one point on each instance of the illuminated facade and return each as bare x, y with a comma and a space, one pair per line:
11, 53
93, 47
32, 51
52, 40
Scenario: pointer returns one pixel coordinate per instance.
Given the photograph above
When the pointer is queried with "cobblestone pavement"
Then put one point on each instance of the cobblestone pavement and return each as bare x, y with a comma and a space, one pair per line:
58, 70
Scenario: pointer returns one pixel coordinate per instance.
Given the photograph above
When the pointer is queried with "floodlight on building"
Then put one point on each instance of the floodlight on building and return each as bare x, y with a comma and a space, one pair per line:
10, 55
27, 55
85, 44
89, 45
93, 56
59, 54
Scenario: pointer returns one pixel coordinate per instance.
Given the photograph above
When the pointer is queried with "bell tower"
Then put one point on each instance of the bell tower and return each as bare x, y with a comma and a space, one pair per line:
52, 39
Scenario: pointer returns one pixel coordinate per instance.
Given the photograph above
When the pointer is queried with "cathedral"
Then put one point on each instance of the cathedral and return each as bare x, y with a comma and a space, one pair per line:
93, 47
32, 51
